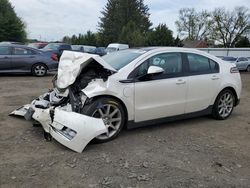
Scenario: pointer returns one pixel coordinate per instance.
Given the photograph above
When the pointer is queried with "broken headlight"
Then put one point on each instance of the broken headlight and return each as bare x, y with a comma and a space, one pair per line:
67, 132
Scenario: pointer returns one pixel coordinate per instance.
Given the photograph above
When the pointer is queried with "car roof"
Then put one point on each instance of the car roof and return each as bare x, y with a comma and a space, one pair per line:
159, 48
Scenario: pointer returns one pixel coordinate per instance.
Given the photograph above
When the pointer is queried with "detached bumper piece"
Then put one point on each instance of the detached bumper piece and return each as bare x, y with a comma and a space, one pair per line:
75, 130
71, 129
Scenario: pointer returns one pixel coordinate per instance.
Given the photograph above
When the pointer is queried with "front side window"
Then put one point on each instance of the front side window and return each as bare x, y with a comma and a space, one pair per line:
171, 63
200, 64
22, 51
4, 50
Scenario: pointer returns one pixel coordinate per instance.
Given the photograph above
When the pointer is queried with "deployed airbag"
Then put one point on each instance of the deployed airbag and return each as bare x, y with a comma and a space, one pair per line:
71, 64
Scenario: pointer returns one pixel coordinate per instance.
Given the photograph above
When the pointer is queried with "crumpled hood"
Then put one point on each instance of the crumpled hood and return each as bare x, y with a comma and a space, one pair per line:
71, 65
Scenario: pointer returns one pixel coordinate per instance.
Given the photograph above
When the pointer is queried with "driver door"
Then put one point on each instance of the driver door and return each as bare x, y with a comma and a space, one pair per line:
160, 95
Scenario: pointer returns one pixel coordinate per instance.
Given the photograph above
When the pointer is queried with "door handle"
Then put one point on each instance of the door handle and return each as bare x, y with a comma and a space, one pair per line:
6, 57
180, 82
214, 77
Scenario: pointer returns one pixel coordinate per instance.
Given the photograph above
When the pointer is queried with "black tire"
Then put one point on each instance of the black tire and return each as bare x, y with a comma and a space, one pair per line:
248, 68
39, 69
223, 107
103, 104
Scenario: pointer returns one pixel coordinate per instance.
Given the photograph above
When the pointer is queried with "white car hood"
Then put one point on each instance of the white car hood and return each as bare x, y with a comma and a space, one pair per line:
71, 65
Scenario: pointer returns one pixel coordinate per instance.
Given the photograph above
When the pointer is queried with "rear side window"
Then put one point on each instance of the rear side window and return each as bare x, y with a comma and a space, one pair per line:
201, 65
22, 51
4, 50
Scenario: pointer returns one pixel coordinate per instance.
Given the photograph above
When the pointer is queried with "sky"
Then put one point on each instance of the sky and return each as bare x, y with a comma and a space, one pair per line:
50, 20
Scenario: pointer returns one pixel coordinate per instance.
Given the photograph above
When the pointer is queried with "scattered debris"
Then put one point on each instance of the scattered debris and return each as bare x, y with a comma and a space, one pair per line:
132, 175
143, 177
107, 181
13, 177
145, 164
126, 165
52, 163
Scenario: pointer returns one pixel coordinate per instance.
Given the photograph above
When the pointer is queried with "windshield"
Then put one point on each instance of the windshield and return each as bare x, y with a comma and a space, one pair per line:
52, 46
120, 59
229, 58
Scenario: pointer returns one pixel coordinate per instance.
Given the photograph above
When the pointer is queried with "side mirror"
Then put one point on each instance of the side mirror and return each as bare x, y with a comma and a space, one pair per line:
155, 70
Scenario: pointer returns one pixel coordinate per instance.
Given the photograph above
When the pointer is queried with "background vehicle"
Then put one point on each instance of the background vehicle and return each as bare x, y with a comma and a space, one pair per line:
113, 47
89, 49
100, 51
38, 45
11, 42
242, 63
22, 59
57, 48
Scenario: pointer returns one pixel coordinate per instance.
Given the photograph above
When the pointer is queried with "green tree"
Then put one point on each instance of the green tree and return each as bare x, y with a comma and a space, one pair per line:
229, 26
243, 42
89, 38
193, 25
12, 28
160, 36
178, 42
117, 14
132, 35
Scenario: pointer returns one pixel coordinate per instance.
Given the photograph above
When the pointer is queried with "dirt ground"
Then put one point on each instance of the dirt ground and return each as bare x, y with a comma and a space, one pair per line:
199, 152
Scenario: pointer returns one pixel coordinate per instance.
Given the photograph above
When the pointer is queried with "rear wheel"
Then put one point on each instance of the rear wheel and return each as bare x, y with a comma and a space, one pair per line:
248, 68
112, 114
224, 105
39, 69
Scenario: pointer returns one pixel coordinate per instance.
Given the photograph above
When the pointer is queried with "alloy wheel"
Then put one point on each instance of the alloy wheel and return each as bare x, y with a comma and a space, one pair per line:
226, 104
112, 118
40, 70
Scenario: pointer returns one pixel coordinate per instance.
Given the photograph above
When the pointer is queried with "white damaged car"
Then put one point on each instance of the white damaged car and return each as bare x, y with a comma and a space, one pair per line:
94, 97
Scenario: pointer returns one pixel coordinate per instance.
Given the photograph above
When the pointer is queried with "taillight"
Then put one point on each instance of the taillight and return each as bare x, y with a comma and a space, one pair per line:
54, 57
234, 70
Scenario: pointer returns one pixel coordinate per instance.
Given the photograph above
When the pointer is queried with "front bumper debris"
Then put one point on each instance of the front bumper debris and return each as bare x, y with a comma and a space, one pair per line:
71, 129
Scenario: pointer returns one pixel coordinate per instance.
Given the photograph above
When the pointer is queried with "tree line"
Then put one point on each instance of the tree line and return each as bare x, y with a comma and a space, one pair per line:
129, 22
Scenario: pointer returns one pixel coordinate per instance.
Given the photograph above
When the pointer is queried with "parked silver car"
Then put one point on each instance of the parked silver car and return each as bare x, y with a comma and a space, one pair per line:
22, 59
242, 63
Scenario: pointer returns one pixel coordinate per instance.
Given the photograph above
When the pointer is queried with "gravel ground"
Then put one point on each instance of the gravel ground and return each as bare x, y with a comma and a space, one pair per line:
199, 152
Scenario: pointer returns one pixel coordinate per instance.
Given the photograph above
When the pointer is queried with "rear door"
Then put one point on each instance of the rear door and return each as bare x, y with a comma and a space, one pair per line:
23, 59
203, 82
5, 58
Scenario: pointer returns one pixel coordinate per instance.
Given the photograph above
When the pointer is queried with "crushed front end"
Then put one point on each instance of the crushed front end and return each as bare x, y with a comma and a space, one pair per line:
60, 111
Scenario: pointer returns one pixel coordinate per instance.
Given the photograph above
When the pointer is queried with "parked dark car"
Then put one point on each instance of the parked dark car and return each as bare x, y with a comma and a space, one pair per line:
57, 48
10, 42
89, 49
38, 45
22, 59
101, 51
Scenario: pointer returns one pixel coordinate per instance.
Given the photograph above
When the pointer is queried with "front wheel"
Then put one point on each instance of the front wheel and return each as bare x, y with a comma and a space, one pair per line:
112, 114
39, 69
224, 105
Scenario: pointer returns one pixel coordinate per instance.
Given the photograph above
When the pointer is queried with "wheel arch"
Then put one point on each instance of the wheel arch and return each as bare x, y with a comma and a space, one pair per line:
234, 93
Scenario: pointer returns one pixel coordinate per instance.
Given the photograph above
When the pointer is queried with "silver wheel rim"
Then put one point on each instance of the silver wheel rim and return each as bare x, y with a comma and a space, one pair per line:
40, 70
226, 104
112, 119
